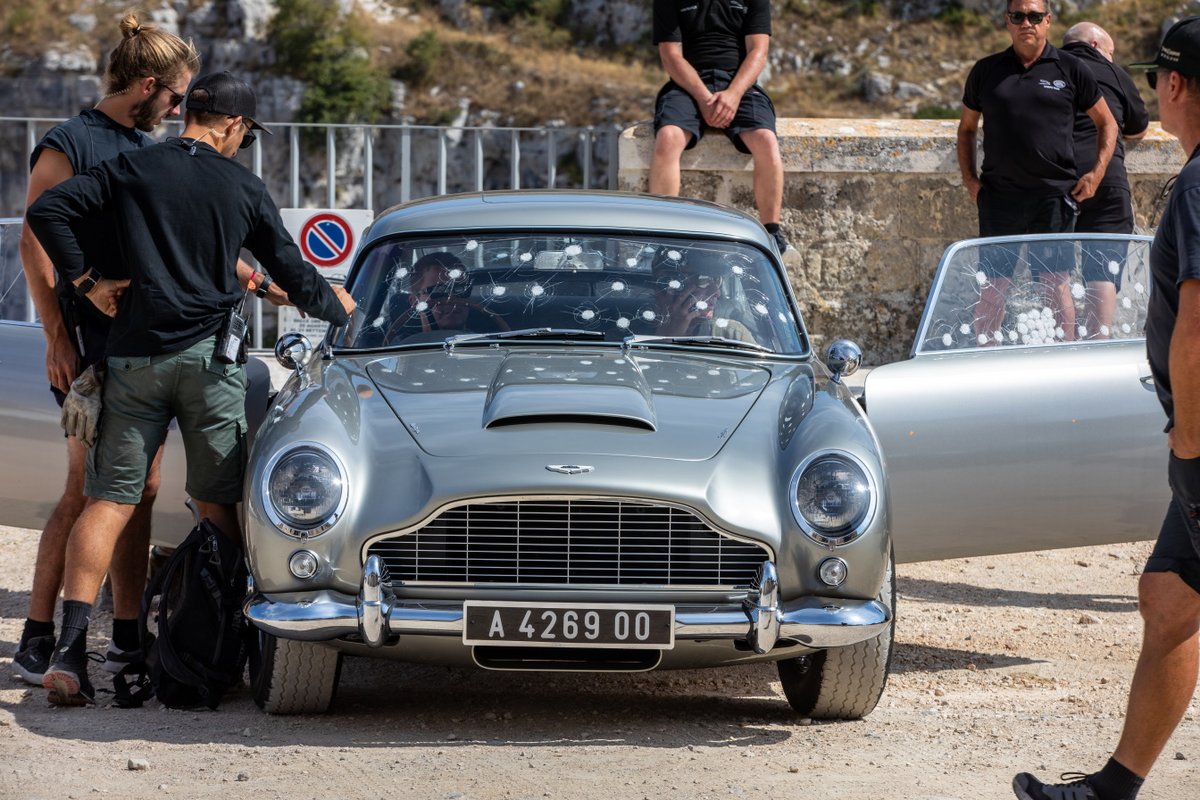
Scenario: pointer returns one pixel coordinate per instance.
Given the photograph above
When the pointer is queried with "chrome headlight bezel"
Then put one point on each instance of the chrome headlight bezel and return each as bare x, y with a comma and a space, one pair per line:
849, 533
290, 526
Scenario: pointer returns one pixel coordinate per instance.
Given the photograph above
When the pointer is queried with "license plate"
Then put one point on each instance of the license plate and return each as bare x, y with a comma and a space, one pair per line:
569, 625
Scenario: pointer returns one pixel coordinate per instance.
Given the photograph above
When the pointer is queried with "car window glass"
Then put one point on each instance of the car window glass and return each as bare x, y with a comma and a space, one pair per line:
1063, 290
14, 299
422, 290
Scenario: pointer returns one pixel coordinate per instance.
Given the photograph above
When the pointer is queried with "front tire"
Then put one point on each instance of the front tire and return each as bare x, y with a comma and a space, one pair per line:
845, 682
294, 677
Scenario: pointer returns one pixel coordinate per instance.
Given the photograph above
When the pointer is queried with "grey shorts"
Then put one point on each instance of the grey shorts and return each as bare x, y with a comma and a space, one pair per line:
142, 394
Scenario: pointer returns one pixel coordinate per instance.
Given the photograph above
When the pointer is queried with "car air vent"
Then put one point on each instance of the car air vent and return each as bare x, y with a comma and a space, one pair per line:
573, 419
571, 542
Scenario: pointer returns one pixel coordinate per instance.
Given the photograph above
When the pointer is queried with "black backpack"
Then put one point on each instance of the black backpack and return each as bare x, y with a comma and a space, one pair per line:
195, 599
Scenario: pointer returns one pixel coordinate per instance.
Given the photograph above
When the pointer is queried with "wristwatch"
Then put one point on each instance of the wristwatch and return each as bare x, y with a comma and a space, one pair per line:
261, 289
88, 283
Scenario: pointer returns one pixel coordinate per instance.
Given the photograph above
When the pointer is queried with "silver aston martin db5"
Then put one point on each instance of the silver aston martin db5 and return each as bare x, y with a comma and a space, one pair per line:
569, 432
587, 431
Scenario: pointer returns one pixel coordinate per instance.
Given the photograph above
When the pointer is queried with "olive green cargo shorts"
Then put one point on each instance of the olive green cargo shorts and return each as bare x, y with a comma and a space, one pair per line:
142, 394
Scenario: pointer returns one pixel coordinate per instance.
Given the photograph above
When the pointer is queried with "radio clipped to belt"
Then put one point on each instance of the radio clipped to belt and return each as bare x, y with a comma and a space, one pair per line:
231, 339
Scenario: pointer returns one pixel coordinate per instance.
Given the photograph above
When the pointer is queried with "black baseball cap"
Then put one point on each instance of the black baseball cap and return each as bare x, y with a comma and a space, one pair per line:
1180, 49
221, 93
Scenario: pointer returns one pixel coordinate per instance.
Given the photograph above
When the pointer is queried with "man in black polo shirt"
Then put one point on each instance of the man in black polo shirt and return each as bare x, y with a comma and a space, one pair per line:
1110, 209
1169, 589
713, 51
1028, 96
163, 357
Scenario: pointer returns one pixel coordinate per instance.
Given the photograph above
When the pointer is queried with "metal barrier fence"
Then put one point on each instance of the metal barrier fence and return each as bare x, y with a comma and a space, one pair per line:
346, 166
376, 166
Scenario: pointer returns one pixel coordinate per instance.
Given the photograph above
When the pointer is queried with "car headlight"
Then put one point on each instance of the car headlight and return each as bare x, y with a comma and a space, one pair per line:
832, 498
304, 490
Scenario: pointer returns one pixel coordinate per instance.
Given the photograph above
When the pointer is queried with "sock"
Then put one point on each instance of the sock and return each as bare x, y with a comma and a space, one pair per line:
72, 644
1115, 782
33, 629
772, 227
125, 634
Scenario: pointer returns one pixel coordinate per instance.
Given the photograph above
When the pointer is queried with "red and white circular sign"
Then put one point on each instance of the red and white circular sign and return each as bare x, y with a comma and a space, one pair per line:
326, 239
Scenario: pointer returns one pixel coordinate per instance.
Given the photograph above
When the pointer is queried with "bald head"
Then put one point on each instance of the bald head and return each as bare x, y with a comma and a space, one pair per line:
1092, 34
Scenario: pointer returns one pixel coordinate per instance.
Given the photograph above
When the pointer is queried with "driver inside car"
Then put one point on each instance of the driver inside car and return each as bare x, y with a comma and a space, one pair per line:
439, 299
689, 289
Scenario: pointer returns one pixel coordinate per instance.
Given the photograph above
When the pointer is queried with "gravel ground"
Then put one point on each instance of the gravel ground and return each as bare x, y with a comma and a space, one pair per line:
1002, 664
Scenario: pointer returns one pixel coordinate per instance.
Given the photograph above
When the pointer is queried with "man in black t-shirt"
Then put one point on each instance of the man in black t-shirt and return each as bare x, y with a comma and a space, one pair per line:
1169, 589
1110, 209
164, 356
1028, 96
713, 52
145, 79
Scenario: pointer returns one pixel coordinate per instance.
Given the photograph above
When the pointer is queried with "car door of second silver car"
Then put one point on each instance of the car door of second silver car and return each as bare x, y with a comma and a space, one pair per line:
1031, 436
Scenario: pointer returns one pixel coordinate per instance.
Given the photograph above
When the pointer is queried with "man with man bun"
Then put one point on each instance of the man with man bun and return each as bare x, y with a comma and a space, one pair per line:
145, 81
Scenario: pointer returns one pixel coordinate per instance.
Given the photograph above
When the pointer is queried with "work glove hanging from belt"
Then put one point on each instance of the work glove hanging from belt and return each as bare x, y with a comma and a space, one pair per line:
81, 409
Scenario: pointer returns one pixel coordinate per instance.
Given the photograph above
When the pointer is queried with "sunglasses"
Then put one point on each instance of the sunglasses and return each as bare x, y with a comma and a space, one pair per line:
1019, 17
176, 97
1152, 79
248, 137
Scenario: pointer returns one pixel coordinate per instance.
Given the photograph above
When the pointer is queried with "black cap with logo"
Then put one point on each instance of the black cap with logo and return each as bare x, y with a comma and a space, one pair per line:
222, 93
1180, 49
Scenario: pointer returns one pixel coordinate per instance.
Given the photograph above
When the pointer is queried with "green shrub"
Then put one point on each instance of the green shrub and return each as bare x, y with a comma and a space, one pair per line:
936, 112
316, 44
424, 55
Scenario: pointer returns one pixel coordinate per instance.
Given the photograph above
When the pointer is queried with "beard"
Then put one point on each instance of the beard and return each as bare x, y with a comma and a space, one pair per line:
144, 116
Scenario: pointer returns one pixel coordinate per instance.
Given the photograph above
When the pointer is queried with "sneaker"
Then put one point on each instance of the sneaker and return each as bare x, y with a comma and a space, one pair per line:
781, 242
1077, 787
69, 685
116, 659
30, 664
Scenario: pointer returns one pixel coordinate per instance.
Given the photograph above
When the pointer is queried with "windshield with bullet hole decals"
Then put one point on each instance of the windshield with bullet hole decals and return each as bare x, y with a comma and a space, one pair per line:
422, 291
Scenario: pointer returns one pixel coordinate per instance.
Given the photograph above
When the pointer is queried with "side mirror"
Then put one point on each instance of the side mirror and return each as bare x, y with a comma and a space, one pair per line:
843, 358
293, 351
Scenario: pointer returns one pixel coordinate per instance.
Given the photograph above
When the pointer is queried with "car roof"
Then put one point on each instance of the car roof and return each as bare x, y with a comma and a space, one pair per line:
567, 210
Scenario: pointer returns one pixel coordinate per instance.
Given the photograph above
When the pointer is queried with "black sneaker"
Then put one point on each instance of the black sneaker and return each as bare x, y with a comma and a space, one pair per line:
781, 242
30, 664
69, 685
1077, 787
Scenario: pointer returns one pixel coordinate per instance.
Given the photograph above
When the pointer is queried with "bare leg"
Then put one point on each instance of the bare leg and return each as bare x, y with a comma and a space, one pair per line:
989, 311
224, 517
1101, 309
90, 548
669, 144
131, 555
52, 547
1056, 293
1166, 670
768, 173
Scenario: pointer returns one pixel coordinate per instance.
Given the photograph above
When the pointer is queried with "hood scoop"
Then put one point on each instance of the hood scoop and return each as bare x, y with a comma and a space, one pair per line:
534, 389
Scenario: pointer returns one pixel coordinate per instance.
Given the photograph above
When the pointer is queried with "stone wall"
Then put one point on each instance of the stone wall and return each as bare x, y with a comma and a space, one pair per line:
869, 206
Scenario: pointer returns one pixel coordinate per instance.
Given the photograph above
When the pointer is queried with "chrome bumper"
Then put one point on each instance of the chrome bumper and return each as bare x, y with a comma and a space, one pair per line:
762, 622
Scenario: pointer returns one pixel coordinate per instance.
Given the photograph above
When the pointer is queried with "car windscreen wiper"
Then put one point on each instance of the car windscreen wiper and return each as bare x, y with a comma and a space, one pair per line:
703, 341
523, 334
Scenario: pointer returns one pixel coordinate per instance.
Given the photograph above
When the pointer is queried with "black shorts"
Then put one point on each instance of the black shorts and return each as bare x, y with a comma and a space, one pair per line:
1109, 210
1007, 213
89, 335
674, 106
1178, 547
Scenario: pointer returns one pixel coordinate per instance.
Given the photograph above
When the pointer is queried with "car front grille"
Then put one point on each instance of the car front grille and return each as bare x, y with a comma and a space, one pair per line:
570, 542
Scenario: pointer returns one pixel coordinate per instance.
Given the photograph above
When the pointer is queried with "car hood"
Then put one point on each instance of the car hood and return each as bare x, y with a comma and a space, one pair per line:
523, 401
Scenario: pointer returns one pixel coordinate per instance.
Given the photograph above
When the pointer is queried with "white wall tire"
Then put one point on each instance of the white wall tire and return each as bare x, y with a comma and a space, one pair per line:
846, 682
